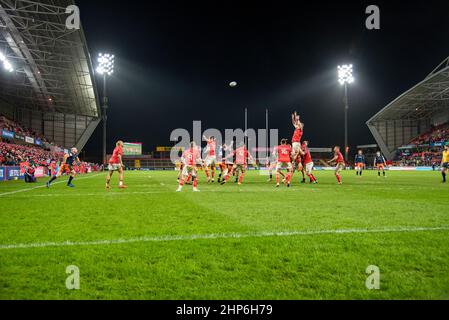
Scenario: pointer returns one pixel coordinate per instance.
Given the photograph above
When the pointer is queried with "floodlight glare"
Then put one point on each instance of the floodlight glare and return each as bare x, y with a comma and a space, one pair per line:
6, 64
345, 74
105, 64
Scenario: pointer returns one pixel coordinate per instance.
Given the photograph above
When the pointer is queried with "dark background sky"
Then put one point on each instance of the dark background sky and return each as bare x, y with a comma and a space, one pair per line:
174, 61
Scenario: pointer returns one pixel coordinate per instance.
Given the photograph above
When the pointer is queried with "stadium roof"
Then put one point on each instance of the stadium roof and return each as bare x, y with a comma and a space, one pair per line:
413, 112
52, 67
424, 100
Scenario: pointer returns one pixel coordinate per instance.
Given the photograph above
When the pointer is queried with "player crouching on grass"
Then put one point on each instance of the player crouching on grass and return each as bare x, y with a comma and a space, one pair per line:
339, 161
116, 164
380, 163
190, 158
283, 153
67, 167
445, 162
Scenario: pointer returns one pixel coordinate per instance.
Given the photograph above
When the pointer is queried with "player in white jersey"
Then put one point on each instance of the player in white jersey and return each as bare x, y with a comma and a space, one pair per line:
211, 158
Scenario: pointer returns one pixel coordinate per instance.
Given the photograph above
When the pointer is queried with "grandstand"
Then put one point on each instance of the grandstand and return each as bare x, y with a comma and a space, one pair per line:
52, 89
416, 116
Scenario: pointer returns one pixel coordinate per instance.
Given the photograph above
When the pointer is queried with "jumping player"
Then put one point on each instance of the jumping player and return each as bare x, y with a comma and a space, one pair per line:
190, 158
67, 167
380, 163
360, 163
211, 158
307, 162
445, 162
297, 135
116, 164
283, 153
339, 160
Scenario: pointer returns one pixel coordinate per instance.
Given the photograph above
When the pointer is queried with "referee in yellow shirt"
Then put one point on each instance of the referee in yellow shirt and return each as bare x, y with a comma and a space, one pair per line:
445, 162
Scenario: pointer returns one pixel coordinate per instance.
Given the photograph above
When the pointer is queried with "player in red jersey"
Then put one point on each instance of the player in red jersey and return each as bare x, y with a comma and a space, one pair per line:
190, 158
284, 152
226, 164
340, 163
116, 164
297, 135
241, 161
211, 158
307, 162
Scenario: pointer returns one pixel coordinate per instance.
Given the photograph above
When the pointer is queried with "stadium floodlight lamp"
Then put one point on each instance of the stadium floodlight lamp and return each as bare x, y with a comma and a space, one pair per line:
6, 64
345, 74
105, 64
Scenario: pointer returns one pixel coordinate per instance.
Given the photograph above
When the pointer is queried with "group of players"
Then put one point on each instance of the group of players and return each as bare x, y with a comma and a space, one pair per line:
292, 158
234, 162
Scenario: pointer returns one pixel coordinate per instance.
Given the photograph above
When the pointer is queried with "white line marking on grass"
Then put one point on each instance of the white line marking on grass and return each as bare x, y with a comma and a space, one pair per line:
43, 186
216, 236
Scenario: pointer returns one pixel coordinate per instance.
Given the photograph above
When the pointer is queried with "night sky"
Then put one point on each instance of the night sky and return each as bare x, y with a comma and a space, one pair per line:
174, 61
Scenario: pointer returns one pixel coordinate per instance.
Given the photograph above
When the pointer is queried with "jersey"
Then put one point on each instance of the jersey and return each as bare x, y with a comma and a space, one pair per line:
359, 158
118, 151
340, 158
241, 156
211, 148
71, 159
283, 153
307, 158
379, 160
297, 135
445, 156
190, 157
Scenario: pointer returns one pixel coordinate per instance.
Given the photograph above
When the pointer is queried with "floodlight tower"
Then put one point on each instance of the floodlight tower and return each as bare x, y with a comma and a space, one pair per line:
345, 77
6, 64
105, 68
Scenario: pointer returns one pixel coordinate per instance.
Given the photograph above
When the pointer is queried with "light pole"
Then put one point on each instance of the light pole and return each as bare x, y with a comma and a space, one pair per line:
345, 77
105, 68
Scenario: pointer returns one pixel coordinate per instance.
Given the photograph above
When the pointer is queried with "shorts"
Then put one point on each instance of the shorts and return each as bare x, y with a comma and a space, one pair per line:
309, 168
281, 165
360, 165
211, 161
380, 167
189, 170
340, 167
114, 167
240, 167
296, 146
446, 165
66, 168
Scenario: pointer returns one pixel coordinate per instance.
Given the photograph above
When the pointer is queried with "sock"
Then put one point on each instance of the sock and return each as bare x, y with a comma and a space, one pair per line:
278, 178
70, 180
361, 173
213, 173
338, 178
181, 183
195, 182
289, 177
384, 173
241, 177
444, 175
52, 179
188, 178
120, 183
312, 178
271, 176
378, 173
207, 173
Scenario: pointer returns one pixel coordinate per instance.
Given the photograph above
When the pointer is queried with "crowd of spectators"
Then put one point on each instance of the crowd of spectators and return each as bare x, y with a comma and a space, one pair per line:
436, 134
15, 127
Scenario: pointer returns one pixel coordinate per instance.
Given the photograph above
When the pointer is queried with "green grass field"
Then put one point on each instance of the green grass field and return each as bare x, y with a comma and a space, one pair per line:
227, 242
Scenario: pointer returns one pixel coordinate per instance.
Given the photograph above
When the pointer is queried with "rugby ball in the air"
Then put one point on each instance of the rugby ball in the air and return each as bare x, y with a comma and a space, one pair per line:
233, 84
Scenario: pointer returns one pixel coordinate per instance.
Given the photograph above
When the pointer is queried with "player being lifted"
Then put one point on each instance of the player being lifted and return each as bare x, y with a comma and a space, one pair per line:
116, 164
339, 161
283, 152
307, 162
380, 163
67, 167
445, 162
241, 160
190, 158
297, 135
211, 159
360, 163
